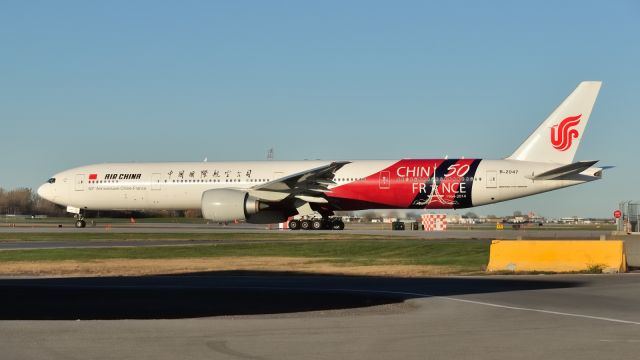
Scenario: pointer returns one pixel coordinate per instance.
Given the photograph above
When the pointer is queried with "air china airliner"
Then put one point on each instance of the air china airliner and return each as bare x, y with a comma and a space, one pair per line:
274, 191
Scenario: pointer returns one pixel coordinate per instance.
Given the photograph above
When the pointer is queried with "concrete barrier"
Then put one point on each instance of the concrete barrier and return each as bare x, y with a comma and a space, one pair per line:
557, 256
632, 251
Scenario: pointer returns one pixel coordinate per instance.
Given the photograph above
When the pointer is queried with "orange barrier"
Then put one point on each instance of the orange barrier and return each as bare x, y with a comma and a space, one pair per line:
557, 256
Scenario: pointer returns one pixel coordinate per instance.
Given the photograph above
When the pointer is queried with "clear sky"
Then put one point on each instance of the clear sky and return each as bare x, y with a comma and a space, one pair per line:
86, 82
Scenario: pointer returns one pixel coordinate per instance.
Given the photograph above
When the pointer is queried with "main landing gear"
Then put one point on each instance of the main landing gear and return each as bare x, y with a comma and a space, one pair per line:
317, 224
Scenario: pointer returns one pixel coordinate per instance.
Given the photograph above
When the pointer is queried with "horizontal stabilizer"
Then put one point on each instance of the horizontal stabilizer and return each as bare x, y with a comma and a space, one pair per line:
564, 170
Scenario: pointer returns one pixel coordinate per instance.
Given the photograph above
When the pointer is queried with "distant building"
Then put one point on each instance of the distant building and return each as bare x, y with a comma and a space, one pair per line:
459, 219
573, 220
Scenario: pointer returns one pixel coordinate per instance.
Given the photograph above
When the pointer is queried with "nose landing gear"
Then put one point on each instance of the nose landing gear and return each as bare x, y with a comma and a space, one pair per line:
80, 223
79, 216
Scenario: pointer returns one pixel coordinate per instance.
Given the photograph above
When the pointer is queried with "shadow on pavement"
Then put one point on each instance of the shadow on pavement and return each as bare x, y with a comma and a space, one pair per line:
229, 293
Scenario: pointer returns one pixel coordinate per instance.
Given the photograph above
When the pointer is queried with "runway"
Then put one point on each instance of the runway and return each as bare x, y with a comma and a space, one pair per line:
217, 232
290, 316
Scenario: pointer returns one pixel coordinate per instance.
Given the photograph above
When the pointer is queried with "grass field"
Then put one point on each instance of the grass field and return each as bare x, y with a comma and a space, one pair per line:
468, 253
230, 235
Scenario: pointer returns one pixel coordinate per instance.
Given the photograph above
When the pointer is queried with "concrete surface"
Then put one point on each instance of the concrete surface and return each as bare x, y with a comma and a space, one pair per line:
278, 316
532, 233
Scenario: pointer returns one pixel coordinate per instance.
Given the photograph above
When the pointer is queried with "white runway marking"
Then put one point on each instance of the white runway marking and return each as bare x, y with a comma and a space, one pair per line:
542, 311
483, 303
620, 341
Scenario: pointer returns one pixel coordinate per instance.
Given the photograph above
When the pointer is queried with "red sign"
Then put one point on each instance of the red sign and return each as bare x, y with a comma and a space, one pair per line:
617, 214
93, 176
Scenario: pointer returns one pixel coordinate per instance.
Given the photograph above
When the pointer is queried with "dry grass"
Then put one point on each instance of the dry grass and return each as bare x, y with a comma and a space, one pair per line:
138, 267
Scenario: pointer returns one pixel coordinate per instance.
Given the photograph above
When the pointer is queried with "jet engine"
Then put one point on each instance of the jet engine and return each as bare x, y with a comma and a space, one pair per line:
224, 205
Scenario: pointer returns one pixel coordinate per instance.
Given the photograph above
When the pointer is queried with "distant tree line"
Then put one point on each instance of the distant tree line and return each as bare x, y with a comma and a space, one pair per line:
24, 201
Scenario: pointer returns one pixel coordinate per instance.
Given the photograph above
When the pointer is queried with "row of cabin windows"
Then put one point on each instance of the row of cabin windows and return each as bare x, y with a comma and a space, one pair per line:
183, 181
438, 179
218, 181
266, 180
417, 179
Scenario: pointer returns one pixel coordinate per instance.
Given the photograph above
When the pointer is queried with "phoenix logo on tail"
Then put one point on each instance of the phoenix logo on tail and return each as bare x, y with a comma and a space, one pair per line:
562, 134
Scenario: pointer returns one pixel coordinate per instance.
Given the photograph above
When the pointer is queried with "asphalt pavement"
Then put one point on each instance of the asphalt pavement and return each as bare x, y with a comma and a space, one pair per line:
290, 316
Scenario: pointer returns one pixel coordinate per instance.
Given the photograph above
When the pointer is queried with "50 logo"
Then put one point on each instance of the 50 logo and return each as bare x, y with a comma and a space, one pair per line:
457, 169
562, 134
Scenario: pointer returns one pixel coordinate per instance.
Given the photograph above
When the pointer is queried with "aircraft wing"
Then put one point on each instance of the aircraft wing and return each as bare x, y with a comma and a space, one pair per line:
308, 185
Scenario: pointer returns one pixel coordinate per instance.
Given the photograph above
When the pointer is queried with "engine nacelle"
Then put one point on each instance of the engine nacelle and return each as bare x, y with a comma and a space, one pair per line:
224, 205
228, 205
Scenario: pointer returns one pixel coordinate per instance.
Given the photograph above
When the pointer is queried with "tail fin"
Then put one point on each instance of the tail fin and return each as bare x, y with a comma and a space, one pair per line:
557, 138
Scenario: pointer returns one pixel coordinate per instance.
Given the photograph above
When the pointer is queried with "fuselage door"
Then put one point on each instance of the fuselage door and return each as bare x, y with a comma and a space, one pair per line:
492, 179
385, 180
79, 182
155, 181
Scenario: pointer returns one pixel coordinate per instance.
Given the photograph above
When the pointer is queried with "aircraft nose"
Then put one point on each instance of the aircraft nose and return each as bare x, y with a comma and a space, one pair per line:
44, 191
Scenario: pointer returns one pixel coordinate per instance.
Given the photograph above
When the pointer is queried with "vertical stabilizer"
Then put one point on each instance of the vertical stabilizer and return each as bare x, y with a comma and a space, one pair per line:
558, 137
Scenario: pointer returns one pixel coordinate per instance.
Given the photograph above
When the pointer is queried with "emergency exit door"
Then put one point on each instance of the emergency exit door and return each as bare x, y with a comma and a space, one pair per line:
156, 178
492, 178
385, 180
79, 182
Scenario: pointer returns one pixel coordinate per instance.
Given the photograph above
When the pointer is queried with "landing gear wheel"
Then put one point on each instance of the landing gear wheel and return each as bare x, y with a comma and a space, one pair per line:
294, 225
317, 224
80, 223
337, 225
305, 225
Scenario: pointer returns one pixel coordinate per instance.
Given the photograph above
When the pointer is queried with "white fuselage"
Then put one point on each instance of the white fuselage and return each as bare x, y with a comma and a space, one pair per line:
270, 191
180, 185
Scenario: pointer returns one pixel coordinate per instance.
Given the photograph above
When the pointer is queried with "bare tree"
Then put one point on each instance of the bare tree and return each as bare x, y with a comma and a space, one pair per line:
369, 215
18, 201
193, 213
470, 215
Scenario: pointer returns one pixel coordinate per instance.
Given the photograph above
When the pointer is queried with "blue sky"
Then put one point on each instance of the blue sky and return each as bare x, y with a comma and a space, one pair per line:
87, 82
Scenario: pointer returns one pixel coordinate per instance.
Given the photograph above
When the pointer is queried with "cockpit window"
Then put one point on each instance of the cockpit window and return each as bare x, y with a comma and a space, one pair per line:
51, 181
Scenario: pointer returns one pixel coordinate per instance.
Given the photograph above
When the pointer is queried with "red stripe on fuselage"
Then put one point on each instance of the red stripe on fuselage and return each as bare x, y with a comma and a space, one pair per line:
396, 191
400, 185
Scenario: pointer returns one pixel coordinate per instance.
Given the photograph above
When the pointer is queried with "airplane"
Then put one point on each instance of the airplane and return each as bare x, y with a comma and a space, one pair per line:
264, 192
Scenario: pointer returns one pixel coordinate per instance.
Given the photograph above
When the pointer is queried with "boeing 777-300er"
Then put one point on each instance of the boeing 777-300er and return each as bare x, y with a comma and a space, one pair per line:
274, 191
